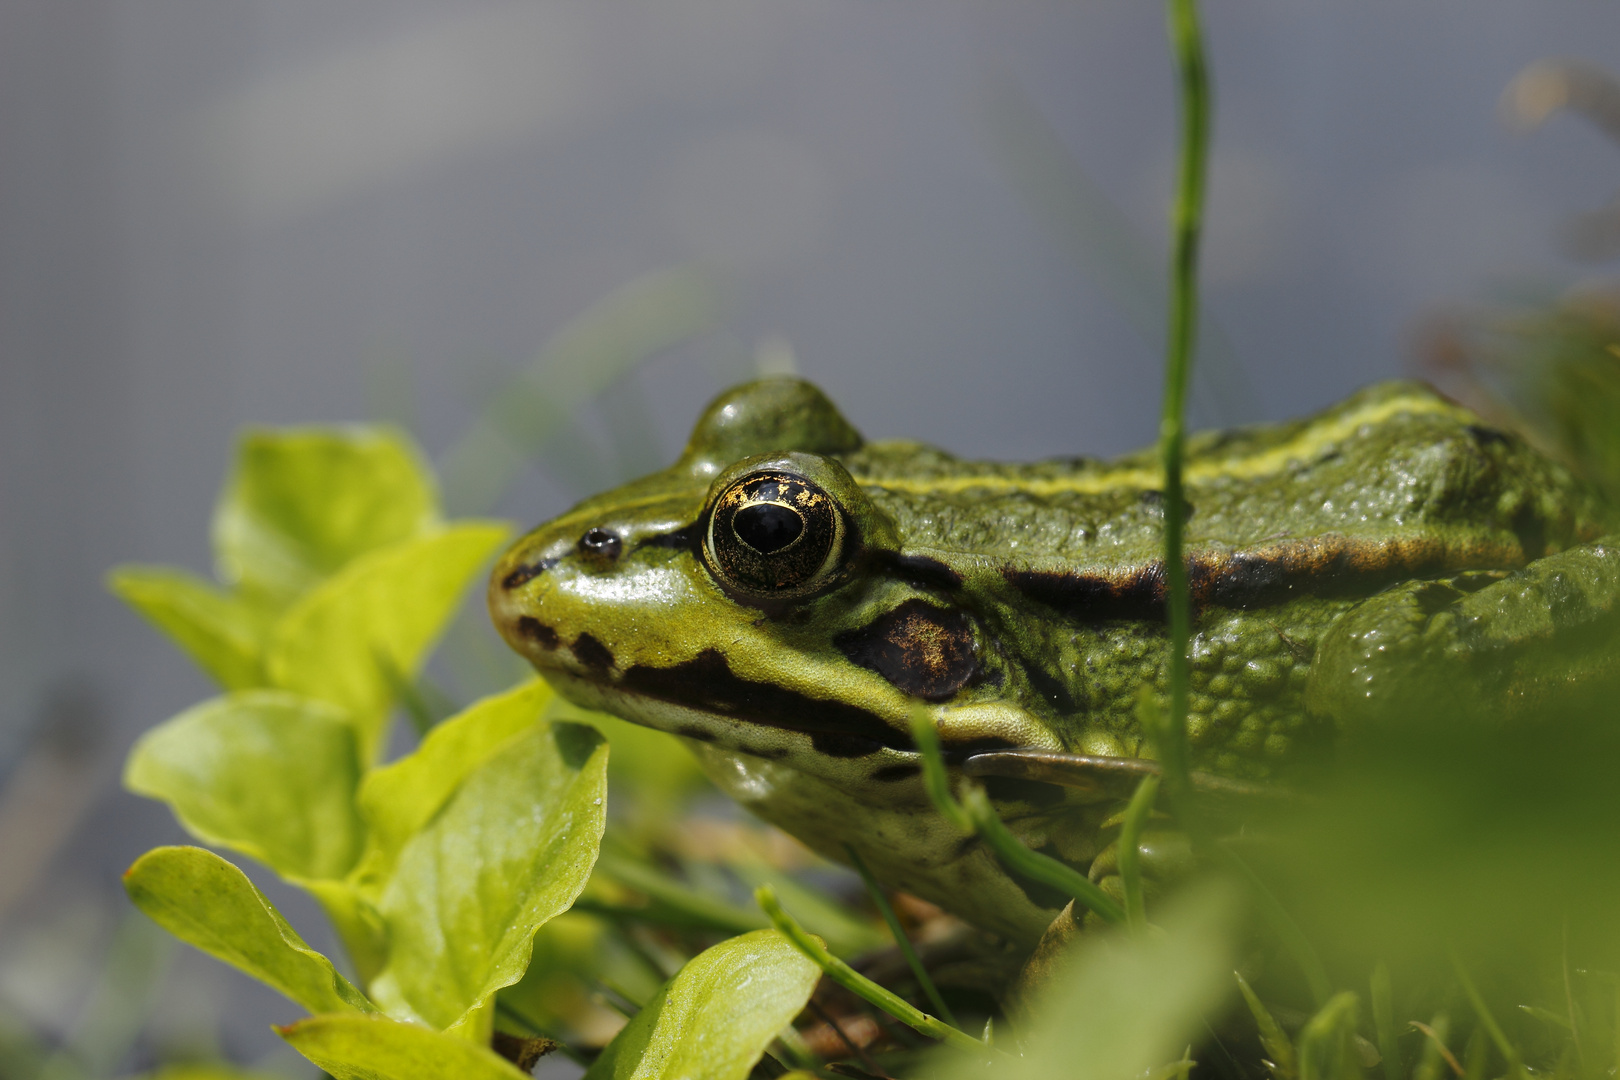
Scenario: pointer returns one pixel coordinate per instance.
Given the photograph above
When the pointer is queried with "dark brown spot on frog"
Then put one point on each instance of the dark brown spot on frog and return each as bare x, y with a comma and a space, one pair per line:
1274, 573
592, 653
537, 631
706, 682
527, 573
692, 731
890, 774
924, 650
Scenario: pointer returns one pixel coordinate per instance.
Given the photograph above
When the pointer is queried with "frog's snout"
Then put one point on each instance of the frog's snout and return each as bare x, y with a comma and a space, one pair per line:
513, 591
526, 606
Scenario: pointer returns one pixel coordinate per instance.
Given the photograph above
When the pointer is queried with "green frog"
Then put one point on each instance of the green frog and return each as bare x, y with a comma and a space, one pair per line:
784, 594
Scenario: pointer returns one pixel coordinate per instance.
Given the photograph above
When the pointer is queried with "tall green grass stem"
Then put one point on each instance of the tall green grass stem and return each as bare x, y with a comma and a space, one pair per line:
1326, 1047
1187, 45
1509, 1052
1130, 851
858, 984
901, 941
975, 814
1018, 858
935, 781
1272, 1038
1383, 1010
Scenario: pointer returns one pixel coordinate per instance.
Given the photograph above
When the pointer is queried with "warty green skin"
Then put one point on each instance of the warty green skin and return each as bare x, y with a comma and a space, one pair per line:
1336, 561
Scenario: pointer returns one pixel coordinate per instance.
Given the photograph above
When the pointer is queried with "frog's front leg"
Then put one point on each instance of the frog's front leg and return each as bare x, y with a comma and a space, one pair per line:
1477, 644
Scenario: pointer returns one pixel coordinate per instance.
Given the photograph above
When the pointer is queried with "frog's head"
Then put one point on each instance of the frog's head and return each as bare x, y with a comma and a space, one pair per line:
755, 597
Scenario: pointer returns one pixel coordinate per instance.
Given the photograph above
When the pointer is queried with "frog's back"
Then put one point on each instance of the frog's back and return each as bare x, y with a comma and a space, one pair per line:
1395, 461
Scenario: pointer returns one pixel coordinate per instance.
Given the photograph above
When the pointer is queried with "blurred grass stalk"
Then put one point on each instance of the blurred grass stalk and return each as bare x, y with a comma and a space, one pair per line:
536, 413
1186, 39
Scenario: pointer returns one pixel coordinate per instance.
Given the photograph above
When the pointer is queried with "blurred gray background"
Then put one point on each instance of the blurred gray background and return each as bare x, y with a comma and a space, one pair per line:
947, 213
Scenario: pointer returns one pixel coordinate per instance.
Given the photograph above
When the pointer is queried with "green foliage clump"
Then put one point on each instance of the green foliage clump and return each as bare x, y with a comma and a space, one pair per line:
437, 869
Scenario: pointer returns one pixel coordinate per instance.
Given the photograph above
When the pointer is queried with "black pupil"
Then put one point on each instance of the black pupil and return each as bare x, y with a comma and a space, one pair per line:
767, 527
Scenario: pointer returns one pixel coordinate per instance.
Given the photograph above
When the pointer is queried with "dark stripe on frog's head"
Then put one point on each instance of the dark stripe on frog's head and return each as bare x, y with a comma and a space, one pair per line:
706, 683
538, 632
527, 573
922, 649
1261, 576
592, 653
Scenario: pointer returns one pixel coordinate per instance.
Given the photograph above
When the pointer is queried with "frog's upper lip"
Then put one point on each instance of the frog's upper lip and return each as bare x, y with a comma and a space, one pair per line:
691, 720
704, 686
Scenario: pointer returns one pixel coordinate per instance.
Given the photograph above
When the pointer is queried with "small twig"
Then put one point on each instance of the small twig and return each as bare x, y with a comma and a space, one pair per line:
1440, 1045
900, 939
854, 1047
505, 1009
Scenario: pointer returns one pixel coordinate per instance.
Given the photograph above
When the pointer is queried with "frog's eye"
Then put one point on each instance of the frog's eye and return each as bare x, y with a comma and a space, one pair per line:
774, 535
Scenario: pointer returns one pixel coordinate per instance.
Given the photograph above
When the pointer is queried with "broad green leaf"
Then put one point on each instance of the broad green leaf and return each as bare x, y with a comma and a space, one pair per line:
1126, 1005
263, 772
511, 849
398, 799
353, 1047
223, 632
358, 924
204, 900
387, 606
651, 769
717, 1016
302, 502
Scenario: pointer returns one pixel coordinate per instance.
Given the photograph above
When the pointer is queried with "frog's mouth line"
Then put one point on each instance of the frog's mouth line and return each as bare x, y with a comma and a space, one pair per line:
705, 688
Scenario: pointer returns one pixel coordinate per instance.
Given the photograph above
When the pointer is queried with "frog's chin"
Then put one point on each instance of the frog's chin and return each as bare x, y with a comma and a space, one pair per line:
894, 771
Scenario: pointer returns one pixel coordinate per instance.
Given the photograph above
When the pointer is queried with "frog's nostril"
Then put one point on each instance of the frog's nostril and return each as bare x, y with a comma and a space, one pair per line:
601, 543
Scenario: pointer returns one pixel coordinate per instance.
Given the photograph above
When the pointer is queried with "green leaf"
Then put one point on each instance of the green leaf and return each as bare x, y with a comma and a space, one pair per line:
223, 632
263, 772
204, 900
717, 1016
353, 1047
386, 606
302, 502
511, 849
1128, 1004
397, 800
